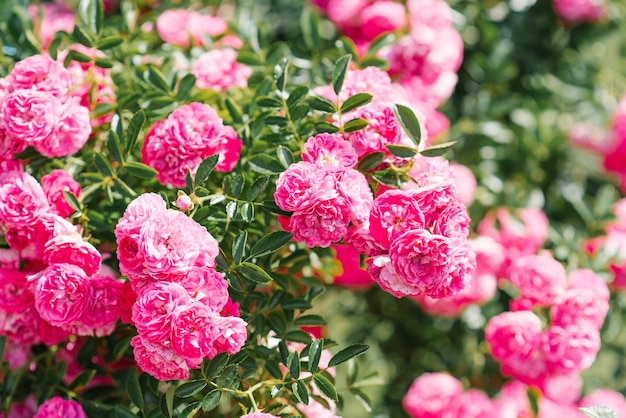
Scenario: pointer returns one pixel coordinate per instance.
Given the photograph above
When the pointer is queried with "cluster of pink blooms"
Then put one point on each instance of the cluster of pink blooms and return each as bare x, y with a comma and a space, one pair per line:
52, 283
181, 142
581, 10
219, 70
425, 58
182, 311
38, 109
439, 395
324, 192
182, 27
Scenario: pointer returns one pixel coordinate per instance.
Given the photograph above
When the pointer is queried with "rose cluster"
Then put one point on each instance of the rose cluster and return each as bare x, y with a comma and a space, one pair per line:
52, 283
190, 134
182, 310
323, 191
38, 109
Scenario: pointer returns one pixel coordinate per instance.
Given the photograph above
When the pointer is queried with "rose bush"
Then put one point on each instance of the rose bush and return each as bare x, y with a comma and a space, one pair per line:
334, 208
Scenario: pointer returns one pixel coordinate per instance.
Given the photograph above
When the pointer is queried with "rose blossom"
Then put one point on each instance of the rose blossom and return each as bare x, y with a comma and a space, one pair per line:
62, 293
580, 10
302, 185
329, 152
571, 347
59, 407
72, 249
22, 200
219, 70
431, 394
393, 213
138, 212
54, 184
381, 16
71, 132
14, 293
540, 278
40, 73
354, 186
193, 331
471, 404
232, 335
577, 305
57, 17
382, 129
321, 224
159, 361
30, 115
207, 286
512, 336
259, 415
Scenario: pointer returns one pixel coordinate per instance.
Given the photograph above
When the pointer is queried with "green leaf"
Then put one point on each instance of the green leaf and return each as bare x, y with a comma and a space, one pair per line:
347, 353
91, 14
322, 104
114, 147
409, 122
401, 151
270, 243
102, 109
264, 164
231, 209
267, 101
363, 398
309, 21
254, 273
326, 127
371, 160
339, 72
233, 110
276, 120
72, 200
297, 303
132, 131
379, 42
190, 388
121, 412
315, 353
354, 125
134, 390
190, 410
205, 168
280, 74
109, 42
82, 38
247, 211
169, 400
3, 343
598, 411
256, 187
310, 320
285, 156
139, 170
249, 58
185, 86
437, 150
102, 164
299, 389
155, 77
370, 61
103, 62
293, 364
298, 336
210, 369
239, 246
326, 387
79, 56
356, 101
211, 400
297, 94
82, 379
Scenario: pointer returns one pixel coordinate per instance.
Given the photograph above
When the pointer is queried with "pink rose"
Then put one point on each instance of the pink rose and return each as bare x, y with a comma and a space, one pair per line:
570, 348
208, 287
219, 70
59, 407
194, 331
54, 184
512, 336
228, 146
354, 186
56, 17
581, 10
302, 185
71, 133
200, 26
14, 293
431, 394
22, 200
171, 26
105, 305
607, 397
381, 16
578, 305
383, 129
159, 361
232, 335
138, 212
259, 415
321, 224
31, 115
540, 278
471, 404
72, 249
40, 73
351, 275
62, 294
329, 152
393, 213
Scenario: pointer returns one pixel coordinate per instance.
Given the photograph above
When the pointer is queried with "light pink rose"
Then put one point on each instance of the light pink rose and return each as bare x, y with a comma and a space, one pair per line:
353, 185
302, 185
550, 409
471, 404
155, 309
232, 335
200, 25
321, 224
590, 281
540, 278
581, 10
512, 336
54, 184
512, 401
22, 200
9, 146
31, 115
138, 212
570, 348
465, 183
74, 250
172, 26
194, 331
159, 361
57, 407
329, 152
57, 17
219, 70
71, 132
42, 74
436, 14
62, 294
578, 305
565, 388
208, 287
431, 394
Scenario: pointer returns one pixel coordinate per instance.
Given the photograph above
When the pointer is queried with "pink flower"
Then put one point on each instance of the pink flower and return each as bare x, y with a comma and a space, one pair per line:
436, 14
591, 282
393, 213
381, 16
194, 331
512, 336
23, 327
471, 404
138, 212
465, 183
351, 275
71, 133
607, 397
54, 184
550, 409
9, 146
321, 224
208, 287
565, 388
155, 309
40, 73
302, 185
512, 401
540, 278
430, 263
72, 249
191, 128
431, 394
219, 70
200, 25
172, 26
329, 152
62, 294
383, 129
232, 335
354, 186
183, 202
360, 238
56, 17
580, 10
31, 115
57, 407
159, 361
228, 146
259, 415
22, 200
14, 293
570, 348
578, 305
370, 80
105, 305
